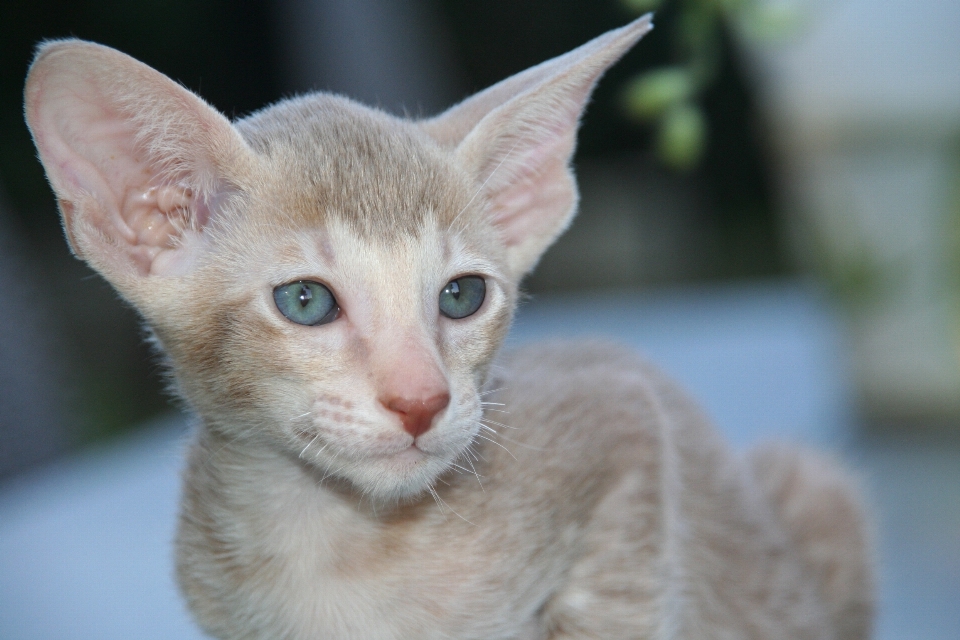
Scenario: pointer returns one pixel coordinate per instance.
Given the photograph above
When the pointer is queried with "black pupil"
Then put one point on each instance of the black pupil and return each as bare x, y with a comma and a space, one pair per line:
305, 295
455, 290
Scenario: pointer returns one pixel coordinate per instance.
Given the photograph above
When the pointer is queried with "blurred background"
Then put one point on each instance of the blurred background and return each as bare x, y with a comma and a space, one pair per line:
770, 209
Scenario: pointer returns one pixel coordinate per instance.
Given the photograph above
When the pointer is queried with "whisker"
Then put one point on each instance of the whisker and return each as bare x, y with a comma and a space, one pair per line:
522, 444
363, 494
456, 466
436, 498
239, 437
302, 415
440, 500
489, 391
477, 475
479, 435
473, 452
309, 443
331, 473
499, 424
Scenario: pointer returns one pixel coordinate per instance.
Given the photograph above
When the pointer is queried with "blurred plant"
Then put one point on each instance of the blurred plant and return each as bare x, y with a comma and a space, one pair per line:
667, 97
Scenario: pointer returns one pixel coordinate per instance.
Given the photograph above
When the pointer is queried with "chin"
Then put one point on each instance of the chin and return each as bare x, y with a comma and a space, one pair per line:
395, 478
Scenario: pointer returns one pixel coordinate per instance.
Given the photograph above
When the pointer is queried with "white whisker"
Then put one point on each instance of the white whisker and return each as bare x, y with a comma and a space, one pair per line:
499, 424
309, 443
440, 501
476, 474
456, 466
436, 498
522, 444
331, 473
498, 444
228, 441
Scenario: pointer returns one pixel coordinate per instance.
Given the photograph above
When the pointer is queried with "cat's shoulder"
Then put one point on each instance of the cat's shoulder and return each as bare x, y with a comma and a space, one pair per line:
580, 399
584, 372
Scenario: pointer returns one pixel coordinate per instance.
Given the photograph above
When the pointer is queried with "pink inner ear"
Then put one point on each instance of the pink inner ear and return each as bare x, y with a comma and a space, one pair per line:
131, 154
158, 215
90, 151
529, 185
531, 206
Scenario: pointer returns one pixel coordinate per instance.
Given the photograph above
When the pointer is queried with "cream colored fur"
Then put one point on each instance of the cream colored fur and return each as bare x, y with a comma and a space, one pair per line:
565, 491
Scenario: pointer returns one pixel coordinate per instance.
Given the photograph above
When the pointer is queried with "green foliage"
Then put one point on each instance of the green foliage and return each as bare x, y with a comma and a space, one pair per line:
648, 96
642, 6
770, 21
667, 98
682, 136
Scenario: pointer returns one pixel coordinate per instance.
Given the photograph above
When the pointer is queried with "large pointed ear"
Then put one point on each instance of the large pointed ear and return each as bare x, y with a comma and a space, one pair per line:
137, 162
518, 137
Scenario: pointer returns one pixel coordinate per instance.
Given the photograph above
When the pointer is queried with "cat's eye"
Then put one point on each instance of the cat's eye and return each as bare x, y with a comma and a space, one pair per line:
306, 302
462, 297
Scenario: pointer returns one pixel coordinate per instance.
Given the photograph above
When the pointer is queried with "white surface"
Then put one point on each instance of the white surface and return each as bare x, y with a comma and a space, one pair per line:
867, 60
86, 544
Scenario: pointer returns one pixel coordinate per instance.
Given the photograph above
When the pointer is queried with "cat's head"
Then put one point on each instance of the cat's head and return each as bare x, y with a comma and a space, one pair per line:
326, 279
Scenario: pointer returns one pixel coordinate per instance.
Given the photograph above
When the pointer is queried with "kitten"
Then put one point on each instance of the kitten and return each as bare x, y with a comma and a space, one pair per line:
331, 285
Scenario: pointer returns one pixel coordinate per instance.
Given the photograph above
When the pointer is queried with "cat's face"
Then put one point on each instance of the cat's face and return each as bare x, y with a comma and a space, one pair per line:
328, 281
343, 304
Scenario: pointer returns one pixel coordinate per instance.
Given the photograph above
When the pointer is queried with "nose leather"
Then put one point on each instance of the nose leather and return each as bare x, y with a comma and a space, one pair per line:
417, 414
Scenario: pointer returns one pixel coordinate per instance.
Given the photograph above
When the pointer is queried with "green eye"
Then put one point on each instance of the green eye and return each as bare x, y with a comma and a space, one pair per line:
306, 302
462, 297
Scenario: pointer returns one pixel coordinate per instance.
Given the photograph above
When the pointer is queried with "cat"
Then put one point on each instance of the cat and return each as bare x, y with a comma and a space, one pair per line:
331, 286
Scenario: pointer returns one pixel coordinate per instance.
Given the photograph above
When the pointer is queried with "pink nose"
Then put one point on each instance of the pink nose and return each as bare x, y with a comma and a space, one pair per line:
417, 415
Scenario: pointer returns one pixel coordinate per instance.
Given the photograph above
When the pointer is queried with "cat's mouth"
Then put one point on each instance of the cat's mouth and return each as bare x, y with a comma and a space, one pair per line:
388, 465
413, 453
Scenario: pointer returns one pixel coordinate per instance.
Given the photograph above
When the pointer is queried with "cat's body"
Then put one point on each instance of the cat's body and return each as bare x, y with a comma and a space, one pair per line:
363, 466
620, 515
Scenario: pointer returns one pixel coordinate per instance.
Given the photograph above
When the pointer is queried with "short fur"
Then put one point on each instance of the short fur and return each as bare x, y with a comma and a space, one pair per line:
560, 491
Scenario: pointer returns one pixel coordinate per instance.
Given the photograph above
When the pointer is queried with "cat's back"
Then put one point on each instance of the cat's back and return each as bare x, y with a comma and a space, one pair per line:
669, 507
